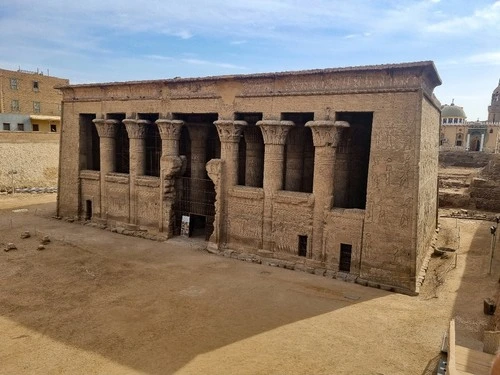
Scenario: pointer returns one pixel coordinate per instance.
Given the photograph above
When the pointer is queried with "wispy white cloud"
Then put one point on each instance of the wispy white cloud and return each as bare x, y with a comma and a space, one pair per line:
487, 17
489, 58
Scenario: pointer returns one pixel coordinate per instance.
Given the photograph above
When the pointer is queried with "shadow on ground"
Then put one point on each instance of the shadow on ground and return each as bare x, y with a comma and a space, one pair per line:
151, 307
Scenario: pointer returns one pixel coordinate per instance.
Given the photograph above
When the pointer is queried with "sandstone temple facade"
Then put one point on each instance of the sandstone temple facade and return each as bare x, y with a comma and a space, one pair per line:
332, 169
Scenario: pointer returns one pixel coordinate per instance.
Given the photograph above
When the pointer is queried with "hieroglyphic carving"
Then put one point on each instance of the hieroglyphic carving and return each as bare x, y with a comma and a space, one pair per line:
326, 133
136, 129
106, 128
229, 130
169, 129
274, 132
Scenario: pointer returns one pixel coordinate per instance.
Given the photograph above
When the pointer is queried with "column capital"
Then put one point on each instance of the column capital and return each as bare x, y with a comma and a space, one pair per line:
326, 132
230, 130
136, 129
106, 128
170, 129
274, 132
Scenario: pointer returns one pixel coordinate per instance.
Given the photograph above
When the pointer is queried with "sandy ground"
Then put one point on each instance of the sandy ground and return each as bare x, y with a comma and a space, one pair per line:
95, 302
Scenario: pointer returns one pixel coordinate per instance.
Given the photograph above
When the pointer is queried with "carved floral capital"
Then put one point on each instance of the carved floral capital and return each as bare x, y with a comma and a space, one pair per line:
229, 130
326, 133
170, 129
274, 132
136, 129
106, 128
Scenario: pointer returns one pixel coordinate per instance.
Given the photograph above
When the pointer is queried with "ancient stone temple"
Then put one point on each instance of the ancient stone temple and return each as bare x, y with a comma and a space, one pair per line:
332, 169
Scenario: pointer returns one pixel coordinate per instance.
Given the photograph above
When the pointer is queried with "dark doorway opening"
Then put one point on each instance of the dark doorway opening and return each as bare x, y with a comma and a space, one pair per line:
345, 257
88, 209
302, 246
197, 226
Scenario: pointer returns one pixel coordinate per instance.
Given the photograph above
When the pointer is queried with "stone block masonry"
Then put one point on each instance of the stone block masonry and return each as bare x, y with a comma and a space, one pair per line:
33, 157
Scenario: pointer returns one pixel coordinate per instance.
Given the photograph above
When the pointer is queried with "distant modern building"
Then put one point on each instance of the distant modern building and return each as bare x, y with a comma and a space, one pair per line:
458, 134
331, 171
30, 123
29, 101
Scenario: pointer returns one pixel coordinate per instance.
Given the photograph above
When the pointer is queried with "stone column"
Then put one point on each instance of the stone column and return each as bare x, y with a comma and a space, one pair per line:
467, 144
274, 134
136, 130
229, 134
170, 167
326, 136
254, 161
294, 160
198, 135
106, 129
481, 145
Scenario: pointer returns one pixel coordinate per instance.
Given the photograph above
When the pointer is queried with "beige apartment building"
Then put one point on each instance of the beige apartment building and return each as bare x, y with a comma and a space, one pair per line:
332, 171
30, 123
29, 101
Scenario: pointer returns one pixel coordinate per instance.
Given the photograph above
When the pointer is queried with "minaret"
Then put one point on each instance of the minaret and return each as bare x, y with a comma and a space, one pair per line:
494, 108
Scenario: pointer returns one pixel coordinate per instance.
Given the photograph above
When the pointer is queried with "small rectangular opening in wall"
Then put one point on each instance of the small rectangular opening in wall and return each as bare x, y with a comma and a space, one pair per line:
35, 127
345, 257
88, 209
302, 246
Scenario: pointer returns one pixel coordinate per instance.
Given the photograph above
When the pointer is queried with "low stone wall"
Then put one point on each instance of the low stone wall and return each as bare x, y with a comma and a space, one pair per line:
33, 156
486, 194
467, 159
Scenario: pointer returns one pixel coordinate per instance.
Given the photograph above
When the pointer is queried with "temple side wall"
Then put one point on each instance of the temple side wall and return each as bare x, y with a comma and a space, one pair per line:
427, 180
388, 239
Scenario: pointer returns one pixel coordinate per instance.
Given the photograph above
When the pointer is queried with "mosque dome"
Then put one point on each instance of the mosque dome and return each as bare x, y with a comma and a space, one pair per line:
452, 111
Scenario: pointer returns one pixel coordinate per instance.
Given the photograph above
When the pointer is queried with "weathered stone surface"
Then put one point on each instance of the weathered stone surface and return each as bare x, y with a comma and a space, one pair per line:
40, 247
10, 246
45, 240
25, 234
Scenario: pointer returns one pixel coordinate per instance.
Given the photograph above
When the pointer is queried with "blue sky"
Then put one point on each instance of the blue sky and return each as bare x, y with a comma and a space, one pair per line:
119, 40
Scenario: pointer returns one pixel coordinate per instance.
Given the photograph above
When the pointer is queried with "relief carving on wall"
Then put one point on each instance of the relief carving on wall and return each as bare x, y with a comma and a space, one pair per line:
214, 170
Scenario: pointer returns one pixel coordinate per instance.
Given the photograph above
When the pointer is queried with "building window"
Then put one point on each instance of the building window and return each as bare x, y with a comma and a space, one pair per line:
36, 107
36, 88
35, 127
20, 127
53, 128
455, 120
6, 126
13, 83
14, 105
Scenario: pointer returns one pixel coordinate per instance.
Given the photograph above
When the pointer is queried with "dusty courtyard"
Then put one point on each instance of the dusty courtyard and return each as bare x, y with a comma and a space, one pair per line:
96, 302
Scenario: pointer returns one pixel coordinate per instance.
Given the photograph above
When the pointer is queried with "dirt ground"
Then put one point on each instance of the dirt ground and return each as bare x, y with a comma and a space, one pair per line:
96, 302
